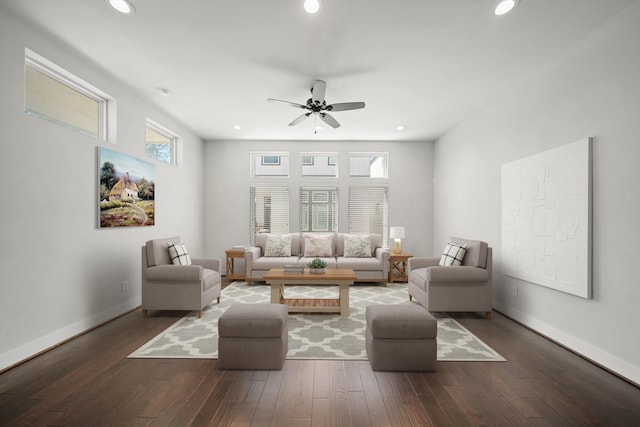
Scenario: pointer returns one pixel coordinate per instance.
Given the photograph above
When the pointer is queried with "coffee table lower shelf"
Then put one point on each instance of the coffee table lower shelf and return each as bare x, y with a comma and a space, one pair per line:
311, 305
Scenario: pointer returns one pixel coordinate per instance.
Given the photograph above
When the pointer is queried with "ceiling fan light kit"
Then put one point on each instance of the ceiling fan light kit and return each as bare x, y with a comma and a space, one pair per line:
317, 105
122, 6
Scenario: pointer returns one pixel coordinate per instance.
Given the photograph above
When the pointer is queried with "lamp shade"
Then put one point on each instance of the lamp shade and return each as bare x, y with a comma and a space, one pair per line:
396, 233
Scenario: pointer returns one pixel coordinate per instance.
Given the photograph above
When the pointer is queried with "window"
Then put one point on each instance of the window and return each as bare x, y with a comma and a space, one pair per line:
160, 143
270, 164
54, 94
319, 164
269, 210
368, 165
369, 211
318, 209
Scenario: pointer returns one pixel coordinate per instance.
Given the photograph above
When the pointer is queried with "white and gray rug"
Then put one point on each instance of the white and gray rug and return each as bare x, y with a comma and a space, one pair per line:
311, 336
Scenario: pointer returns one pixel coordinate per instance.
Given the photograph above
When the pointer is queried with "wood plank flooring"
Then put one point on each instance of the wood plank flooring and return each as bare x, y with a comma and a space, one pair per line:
89, 381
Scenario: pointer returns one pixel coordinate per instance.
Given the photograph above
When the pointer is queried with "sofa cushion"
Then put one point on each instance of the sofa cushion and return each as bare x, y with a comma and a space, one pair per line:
157, 253
359, 264
318, 245
476, 255
278, 245
357, 246
178, 253
260, 240
375, 240
453, 254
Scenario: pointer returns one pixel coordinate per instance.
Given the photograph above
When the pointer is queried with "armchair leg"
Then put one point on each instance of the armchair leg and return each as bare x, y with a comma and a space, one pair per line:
488, 314
218, 300
144, 313
410, 297
199, 314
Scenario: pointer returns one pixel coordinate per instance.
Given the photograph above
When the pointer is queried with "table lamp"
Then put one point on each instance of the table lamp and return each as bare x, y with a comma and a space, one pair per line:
397, 234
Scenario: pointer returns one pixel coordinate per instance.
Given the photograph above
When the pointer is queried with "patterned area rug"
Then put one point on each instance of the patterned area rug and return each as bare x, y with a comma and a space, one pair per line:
311, 336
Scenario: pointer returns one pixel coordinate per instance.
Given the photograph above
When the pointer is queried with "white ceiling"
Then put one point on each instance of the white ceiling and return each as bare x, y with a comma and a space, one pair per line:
425, 64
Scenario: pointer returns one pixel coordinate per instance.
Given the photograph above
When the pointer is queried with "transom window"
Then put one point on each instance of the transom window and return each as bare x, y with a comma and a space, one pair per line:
319, 164
368, 165
160, 143
54, 94
270, 164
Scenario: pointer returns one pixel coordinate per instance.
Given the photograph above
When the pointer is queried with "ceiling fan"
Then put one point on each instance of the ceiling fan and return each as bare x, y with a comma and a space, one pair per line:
318, 106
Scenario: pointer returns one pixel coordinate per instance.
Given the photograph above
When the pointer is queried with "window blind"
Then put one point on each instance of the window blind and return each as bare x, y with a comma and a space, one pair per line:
269, 210
369, 211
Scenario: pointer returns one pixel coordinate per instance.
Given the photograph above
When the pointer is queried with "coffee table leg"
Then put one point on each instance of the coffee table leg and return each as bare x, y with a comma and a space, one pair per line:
344, 299
275, 293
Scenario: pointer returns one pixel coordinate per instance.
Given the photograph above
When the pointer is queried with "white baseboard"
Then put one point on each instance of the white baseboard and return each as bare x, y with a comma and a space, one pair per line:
607, 360
30, 349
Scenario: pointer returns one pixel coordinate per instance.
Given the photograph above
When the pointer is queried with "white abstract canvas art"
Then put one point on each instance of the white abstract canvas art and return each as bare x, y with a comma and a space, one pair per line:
546, 218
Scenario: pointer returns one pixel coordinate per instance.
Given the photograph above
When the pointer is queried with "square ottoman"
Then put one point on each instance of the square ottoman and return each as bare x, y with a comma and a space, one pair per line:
401, 337
253, 336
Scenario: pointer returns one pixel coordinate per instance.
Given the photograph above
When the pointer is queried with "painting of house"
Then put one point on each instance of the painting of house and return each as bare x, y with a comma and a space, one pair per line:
126, 190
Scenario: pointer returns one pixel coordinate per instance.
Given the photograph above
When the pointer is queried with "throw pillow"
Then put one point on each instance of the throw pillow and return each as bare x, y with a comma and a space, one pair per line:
357, 246
453, 254
178, 254
278, 245
318, 245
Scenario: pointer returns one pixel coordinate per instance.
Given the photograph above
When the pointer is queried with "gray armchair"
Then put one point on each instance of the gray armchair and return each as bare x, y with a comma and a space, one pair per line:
166, 286
454, 288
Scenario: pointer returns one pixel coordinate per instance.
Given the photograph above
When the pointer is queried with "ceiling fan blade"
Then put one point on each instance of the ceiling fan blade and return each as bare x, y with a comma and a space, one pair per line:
293, 104
299, 119
344, 106
318, 90
329, 120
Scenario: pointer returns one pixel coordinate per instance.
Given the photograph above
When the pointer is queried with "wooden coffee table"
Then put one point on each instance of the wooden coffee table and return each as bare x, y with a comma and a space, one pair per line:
343, 278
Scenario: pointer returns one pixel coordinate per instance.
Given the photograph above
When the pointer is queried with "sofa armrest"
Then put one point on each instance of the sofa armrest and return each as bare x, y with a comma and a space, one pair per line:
210, 263
382, 254
251, 254
457, 274
421, 262
182, 273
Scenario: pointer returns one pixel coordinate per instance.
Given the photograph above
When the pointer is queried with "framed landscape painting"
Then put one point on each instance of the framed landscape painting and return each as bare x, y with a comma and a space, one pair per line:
126, 190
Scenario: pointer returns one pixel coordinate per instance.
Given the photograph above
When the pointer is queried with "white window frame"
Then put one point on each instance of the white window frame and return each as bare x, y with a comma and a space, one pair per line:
313, 161
370, 155
175, 142
261, 170
106, 104
309, 206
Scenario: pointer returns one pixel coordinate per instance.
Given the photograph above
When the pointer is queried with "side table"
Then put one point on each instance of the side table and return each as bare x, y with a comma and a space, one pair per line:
398, 267
232, 254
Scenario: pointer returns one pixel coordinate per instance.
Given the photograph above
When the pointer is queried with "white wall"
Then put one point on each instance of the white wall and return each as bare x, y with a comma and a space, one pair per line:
59, 273
593, 92
227, 182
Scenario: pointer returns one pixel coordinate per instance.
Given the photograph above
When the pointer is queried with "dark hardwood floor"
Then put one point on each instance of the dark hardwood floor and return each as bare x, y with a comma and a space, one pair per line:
88, 381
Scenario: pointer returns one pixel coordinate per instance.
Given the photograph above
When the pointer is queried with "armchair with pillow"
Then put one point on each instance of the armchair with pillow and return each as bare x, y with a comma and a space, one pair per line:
172, 280
460, 280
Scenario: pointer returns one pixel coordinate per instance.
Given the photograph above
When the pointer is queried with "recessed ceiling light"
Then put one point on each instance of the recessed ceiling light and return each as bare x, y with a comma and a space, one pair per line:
401, 127
311, 6
122, 6
163, 91
237, 127
505, 6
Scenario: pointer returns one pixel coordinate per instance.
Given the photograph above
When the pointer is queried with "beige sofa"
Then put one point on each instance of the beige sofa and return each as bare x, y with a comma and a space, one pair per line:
467, 287
374, 268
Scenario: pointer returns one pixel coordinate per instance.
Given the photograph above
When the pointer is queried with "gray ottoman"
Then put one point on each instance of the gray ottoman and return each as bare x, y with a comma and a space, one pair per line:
401, 337
253, 336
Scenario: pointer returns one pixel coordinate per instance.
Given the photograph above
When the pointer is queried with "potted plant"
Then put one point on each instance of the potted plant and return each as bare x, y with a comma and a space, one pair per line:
317, 266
